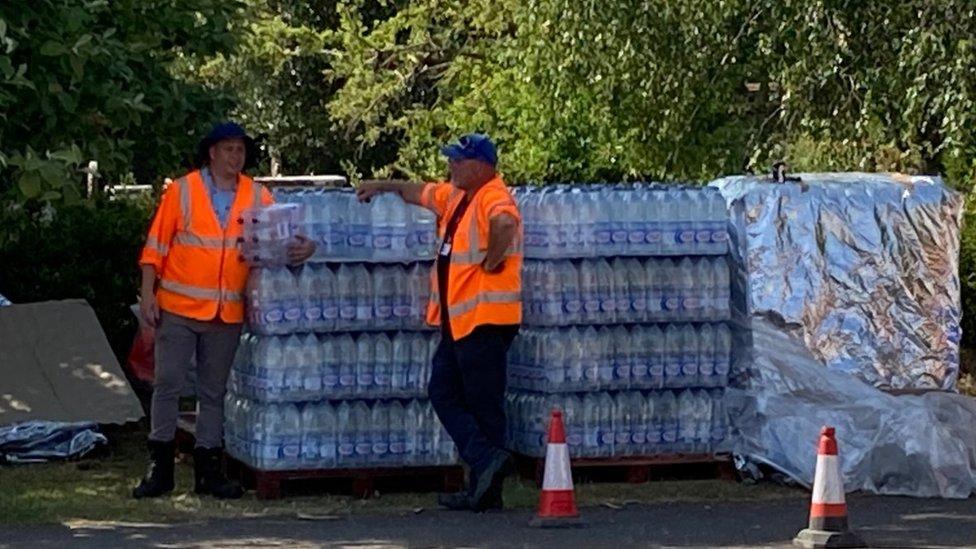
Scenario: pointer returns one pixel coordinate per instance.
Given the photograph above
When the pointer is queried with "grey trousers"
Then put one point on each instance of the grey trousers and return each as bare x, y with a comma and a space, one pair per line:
215, 344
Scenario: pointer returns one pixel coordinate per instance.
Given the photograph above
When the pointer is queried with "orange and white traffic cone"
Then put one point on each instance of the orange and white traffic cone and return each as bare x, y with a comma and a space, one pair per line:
828, 510
557, 503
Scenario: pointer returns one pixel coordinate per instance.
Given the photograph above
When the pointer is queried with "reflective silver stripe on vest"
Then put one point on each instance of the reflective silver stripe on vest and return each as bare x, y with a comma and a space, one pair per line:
157, 246
217, 243
484, 297
475, 255
183, 184
197, 292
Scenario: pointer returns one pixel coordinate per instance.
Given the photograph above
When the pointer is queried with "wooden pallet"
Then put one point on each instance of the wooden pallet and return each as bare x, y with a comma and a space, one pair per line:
362, 483
637, 469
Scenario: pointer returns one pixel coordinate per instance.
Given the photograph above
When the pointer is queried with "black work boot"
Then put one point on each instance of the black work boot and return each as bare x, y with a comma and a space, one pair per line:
159, 478
486, 490
210, 479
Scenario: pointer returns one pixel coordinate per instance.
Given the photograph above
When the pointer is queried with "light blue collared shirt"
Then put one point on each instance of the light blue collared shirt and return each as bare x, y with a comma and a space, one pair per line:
221, 199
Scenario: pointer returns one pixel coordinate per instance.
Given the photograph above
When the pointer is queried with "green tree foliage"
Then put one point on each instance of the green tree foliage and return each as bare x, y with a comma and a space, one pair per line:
663, 89
91, 79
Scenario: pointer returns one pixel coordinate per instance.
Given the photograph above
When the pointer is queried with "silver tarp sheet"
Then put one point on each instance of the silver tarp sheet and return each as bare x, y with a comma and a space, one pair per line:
862, 267
844, 284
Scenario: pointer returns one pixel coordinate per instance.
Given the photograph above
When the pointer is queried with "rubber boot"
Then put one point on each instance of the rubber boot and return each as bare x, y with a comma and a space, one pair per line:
159, 478
210, 478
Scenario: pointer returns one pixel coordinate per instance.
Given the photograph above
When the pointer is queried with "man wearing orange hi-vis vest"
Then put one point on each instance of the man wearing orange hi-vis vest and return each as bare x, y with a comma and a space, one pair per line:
193, 283
476, 301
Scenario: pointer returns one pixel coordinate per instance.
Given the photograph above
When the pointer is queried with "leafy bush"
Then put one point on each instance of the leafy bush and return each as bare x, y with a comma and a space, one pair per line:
88, 250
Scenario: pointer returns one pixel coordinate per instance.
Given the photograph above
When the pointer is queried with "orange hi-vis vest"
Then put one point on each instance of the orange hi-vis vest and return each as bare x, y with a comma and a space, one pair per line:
201, 273
475, 296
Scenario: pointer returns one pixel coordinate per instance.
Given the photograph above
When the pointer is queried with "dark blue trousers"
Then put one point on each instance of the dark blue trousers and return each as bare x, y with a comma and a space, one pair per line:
467, 390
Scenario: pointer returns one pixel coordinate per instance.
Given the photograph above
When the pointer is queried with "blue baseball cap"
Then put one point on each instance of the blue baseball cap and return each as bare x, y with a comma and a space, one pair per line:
473, 146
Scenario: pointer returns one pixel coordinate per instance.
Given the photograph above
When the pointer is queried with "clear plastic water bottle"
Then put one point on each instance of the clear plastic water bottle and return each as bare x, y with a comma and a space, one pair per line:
365, 364
346, 430
414, 434
718, 216
669, 224
291, 430
655, 427
705, 288
621, 291
569, 285
589, 292
658, 358
687, 421
361, 420
384, 285
655, 277
551, 293
640, 357
605, 291
346, 284
380, 434
286, 287
364, 296
671, 288
719, 419
652, 217
702, 224
686, 222
327, 420
330, 364
425, 227
667, 408
360, 243
419, 358
592, 355
703, 421
606, 424
706, 356
618, 202
401, 298
623, 421
721, 297
688, 350
420, 277
397, 434
269, 365
347, 365
294, 368
400, 366
575, 423
312, 367
263, 304
639, 420
383, 359
634, 208
723, 354
575, 360
690, 308
326, 288
636, 290
311, 436
672, 356
621, 355
591, 425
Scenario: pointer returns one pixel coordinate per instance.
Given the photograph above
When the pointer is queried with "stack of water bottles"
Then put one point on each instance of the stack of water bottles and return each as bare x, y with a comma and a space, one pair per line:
333, 369
626, 298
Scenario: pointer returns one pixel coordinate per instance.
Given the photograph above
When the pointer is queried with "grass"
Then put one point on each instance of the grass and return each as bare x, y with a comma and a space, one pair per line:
97, 489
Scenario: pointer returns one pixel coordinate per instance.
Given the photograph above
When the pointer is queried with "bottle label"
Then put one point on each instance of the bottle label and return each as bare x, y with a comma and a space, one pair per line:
636, 237
573, 306
330, 312
273, 316
313, 313
653, 237
382, 241
293, 313
703, 236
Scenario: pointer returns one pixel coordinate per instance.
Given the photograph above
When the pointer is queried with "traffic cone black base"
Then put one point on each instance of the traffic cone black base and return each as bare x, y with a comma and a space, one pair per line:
817, 539
565, 522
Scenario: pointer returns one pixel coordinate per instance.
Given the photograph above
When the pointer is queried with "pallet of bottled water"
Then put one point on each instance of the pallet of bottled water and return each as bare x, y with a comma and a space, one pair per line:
573, 221
331, 435
341, 297
308, 367
558, 360
625, 290
268, 230
384, 231
621, 423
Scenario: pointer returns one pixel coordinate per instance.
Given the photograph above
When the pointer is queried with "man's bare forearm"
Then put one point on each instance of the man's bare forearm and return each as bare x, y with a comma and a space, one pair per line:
410, 192
148, 280
501, 233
